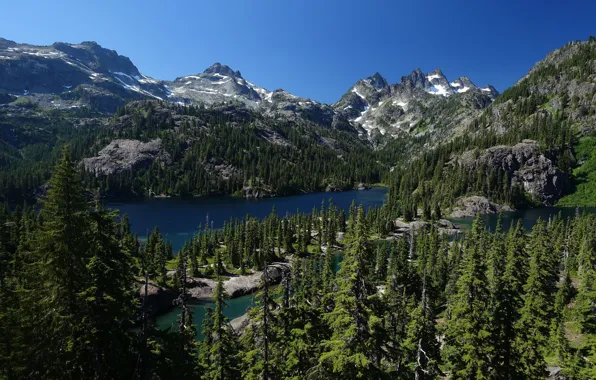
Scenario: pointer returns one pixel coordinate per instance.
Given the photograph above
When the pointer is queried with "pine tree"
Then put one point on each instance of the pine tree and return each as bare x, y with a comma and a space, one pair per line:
259, 338
421, 345
585, 303
161, 262
467, 336
108, 301
508, 303
533, 326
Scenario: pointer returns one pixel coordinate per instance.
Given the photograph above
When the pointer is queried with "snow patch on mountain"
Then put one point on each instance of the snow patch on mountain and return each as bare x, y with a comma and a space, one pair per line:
355, 91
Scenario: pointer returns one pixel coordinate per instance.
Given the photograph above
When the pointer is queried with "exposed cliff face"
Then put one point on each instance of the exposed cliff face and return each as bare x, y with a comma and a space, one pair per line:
121, 155
527, 165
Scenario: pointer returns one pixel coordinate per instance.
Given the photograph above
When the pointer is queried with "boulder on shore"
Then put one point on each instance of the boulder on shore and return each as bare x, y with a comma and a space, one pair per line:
237, 286
240, 324
443, 226
473, 205
159, 299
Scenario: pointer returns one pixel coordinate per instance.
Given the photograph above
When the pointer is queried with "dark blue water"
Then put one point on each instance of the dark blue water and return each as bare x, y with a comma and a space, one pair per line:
179, 218
528, 217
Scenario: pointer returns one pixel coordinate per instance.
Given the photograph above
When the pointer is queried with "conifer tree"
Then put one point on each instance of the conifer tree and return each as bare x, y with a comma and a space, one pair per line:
108, 301
585, 303
421, 345
58, 277
467, 337
223, 347
533, 326
507, 302
352, 350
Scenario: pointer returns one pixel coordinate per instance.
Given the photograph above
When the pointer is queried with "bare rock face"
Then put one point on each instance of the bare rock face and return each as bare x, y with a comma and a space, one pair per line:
122, 155
471, 206
528, 166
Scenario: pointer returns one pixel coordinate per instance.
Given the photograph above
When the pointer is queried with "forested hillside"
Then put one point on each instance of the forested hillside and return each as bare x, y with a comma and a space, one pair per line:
554, 105
195, 151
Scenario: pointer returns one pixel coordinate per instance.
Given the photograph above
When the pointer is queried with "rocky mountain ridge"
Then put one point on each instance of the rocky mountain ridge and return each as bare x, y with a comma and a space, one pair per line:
398, 109
71, 76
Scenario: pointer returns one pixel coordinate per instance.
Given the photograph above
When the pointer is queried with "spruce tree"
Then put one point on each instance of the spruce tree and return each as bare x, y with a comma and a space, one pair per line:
108, 301
533, 326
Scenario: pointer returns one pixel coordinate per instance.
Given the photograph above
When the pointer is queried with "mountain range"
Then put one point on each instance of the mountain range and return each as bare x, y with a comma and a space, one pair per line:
215, 132
70, 76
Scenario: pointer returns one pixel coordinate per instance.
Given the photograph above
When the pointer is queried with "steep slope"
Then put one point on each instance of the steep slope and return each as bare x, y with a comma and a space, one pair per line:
223, 150
554, 106
419, 104
73, 75
220, 84
158, 147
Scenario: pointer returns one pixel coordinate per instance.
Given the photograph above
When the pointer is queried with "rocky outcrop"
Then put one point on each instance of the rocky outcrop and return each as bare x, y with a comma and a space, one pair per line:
237, 286
554, 373
240, 324
473, 205
256, 190
159, 299
122, 155
528, 166
443, 225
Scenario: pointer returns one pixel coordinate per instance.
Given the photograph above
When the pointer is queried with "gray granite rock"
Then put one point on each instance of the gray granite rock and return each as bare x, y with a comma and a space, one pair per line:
121, 155
528, 166
473, 205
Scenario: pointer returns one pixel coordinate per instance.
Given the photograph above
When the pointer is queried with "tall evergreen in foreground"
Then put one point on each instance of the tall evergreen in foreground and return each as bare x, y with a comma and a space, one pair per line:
57, 277
221, 353
356, 345
468, 333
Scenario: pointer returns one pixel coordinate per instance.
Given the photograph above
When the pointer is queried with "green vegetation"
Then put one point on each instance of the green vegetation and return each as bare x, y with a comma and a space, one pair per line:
211, 151
584, 176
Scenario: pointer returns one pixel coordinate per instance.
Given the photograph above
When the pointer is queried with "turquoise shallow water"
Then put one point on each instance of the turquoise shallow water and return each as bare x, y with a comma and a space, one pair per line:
234, 309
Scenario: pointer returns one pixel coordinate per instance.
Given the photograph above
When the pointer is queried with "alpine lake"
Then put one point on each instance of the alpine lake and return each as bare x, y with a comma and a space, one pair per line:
179, 218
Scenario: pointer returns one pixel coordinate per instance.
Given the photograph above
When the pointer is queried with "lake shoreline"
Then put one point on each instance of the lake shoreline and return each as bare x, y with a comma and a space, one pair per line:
149, 197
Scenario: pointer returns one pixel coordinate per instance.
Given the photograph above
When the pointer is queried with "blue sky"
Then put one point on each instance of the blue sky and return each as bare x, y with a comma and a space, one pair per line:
316, 49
